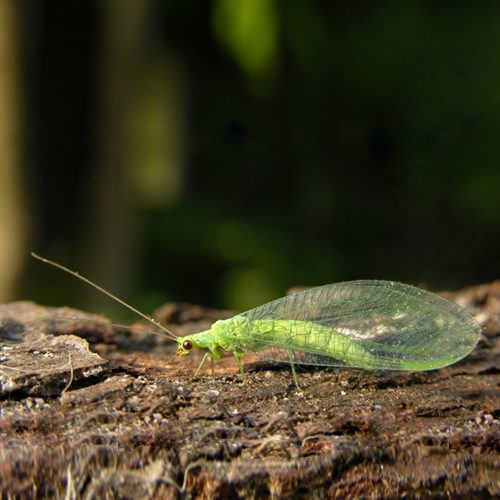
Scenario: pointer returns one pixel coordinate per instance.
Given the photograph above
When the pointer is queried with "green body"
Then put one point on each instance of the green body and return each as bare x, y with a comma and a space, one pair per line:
238, 334
367, 324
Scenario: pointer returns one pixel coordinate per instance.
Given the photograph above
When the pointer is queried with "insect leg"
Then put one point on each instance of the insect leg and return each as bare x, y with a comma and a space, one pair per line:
237, 357
201, 364
294, 374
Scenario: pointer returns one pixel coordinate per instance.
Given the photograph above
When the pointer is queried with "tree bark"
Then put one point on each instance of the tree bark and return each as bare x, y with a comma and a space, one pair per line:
127, 418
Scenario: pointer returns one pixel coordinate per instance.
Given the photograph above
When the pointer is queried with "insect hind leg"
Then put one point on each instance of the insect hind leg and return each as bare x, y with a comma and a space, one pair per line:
294, 373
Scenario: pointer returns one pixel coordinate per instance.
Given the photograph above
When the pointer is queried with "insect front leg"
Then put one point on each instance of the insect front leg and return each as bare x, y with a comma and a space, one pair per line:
214, 353
201, 364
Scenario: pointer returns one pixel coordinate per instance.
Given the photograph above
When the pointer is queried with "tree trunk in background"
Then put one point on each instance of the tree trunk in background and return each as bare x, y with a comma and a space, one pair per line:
139, 143
13, 217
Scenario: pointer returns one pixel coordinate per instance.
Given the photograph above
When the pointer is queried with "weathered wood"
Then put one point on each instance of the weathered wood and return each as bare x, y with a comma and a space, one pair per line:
136, 424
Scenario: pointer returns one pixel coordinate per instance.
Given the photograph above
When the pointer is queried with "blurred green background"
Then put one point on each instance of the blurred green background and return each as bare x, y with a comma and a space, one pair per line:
221, 152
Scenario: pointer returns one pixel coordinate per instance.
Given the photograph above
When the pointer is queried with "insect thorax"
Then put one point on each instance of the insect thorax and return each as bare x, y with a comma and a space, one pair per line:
232, 333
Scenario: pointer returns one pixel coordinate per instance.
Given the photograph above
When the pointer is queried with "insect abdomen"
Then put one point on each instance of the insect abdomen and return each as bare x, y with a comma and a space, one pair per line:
312, 338
307, 337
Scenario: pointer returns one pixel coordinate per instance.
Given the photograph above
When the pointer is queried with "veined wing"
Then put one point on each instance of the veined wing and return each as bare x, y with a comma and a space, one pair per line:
367, 324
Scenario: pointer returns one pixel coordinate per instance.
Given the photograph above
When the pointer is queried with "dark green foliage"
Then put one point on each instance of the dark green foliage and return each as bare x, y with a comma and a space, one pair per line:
367, 147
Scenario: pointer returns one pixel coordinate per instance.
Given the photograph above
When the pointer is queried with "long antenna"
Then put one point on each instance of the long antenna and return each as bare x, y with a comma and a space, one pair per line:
102, 290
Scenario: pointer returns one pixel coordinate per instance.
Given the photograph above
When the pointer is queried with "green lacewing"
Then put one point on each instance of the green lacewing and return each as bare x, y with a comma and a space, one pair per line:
367, 324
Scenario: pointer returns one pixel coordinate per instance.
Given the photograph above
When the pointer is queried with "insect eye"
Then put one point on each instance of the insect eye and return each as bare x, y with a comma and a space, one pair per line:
187, 345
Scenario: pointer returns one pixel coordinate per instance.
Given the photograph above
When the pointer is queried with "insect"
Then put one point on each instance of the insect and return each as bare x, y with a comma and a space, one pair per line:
367, 324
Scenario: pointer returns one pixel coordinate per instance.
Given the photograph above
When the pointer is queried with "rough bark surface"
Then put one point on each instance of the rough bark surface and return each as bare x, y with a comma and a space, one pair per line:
89, 409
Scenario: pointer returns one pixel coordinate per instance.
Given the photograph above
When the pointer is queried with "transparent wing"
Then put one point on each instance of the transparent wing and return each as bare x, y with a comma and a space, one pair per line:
378, 324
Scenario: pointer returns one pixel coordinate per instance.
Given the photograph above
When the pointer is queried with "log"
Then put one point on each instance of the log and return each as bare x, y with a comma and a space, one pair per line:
92, 409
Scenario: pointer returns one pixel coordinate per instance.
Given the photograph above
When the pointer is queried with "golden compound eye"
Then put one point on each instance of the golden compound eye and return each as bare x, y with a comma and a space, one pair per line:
187, 345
